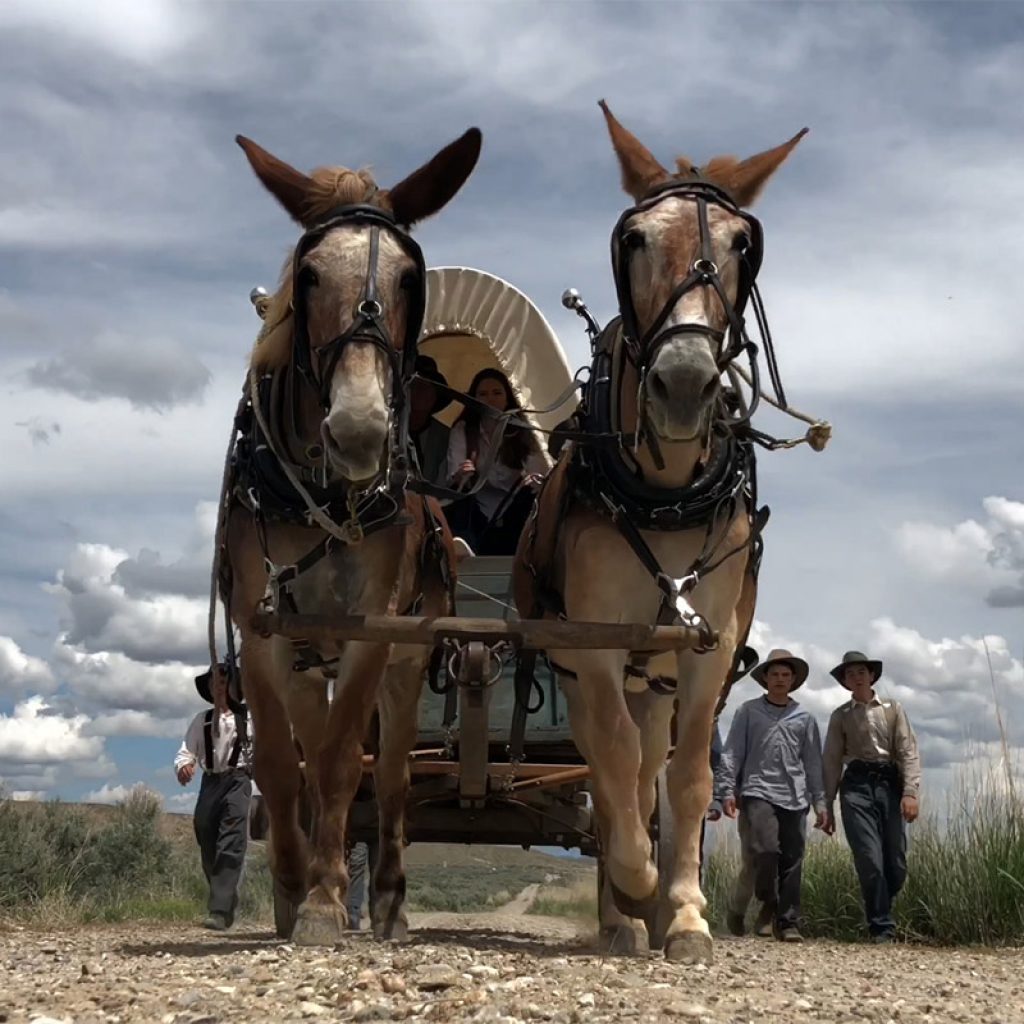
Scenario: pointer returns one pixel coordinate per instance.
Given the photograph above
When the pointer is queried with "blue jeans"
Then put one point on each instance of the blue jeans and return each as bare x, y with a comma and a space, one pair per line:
869, 798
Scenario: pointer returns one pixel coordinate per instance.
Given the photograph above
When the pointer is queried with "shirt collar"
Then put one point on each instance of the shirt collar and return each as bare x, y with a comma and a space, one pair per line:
875, 702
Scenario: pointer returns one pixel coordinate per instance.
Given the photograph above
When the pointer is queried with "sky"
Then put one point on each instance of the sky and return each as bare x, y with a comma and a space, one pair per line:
131, 231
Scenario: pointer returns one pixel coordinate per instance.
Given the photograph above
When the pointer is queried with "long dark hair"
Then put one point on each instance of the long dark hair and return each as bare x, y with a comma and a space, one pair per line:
517, 444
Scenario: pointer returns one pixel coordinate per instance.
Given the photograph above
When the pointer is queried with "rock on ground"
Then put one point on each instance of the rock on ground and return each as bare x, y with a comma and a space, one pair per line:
491, 969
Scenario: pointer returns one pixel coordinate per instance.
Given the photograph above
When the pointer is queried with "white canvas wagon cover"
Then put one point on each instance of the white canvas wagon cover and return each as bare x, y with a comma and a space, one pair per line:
475, 320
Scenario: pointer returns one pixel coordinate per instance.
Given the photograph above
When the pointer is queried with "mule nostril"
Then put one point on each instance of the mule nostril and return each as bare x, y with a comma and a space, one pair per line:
657, 387
709, 389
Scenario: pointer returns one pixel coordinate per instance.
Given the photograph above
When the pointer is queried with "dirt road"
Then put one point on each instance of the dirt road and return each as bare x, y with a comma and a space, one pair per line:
499, 968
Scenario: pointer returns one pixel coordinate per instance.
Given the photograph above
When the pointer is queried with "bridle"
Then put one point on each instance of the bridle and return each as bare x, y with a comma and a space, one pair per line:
317, 366
642, 348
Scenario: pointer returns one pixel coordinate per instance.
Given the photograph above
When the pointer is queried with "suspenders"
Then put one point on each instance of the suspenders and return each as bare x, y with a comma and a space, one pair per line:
208, 741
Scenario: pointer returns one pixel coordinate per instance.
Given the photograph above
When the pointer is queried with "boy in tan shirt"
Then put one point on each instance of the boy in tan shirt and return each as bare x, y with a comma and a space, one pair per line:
879, 789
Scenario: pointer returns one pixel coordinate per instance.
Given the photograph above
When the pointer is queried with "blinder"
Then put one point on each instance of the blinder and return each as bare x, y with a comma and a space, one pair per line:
368, 326
643, 349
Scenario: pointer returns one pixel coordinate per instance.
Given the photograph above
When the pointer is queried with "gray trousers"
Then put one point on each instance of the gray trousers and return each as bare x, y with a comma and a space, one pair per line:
743, 890
776, 838
361, 862
869, 798
221, 823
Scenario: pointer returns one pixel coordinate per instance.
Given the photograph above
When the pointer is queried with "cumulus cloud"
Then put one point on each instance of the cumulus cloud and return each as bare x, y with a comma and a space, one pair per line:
108, 794
951, 687
126, 722
30, 734
181, 802
148, 575
101, 617
988, 554
27, 795
111, 682
150, 373
21, 672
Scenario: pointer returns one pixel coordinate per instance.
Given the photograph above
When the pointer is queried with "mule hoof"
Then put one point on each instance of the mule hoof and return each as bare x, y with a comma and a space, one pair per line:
618, 941
690, 948
319, 927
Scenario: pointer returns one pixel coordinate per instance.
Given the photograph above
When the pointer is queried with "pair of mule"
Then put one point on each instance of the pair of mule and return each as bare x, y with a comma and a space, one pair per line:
328, 385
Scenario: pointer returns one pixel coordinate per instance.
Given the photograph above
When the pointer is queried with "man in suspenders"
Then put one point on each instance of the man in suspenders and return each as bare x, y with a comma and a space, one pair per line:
871, 760
217, 740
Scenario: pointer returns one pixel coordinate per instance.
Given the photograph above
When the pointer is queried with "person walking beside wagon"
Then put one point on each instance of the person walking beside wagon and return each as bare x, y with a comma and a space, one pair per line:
773, 773
217, 741
879, 788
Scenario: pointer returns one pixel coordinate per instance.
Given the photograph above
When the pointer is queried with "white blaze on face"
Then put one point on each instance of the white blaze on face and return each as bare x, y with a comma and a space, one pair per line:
355, 427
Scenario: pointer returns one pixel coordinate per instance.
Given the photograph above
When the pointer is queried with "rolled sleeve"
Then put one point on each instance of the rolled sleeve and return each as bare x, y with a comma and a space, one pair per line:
907, 755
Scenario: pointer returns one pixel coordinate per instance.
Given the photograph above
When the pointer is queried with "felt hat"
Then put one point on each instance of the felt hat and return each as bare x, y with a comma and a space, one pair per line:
800, 667
426, 369
856, 658
204, 687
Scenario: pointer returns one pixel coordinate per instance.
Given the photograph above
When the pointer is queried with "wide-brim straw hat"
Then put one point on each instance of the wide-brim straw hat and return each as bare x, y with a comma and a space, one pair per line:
856, 658
800, 668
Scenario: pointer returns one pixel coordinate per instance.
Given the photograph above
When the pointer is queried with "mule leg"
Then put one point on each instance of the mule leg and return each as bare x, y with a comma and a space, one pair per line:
398, 705
610, 740
652, 713
276, 769
305, 698
322, 918
688, 937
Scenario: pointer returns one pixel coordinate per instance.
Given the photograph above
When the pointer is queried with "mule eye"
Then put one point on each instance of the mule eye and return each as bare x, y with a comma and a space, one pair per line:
410, 279
308, 278
633, 240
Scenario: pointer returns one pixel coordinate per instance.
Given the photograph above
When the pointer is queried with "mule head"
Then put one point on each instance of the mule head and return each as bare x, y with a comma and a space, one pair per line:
356, 289
685, 259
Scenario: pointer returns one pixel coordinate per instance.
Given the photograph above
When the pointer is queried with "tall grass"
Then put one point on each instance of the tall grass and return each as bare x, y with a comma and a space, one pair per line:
965, 879
61, 865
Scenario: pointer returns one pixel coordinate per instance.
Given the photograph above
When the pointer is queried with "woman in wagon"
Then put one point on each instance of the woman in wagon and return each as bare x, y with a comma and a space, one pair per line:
879, 788
491, 519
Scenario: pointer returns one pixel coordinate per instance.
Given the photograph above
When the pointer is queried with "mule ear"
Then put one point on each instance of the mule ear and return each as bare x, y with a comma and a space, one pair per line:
640, 171
425, 191
745, 179
287, 185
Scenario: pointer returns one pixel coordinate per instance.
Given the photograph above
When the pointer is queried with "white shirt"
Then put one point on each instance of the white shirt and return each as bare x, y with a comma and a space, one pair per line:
500, 478
193, 750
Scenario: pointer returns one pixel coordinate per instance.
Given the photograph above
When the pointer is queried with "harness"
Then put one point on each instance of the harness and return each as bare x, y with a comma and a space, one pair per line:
608, 479
278, 484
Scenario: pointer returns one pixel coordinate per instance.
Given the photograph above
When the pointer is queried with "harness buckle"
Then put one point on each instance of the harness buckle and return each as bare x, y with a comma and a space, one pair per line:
352, 528
688, 583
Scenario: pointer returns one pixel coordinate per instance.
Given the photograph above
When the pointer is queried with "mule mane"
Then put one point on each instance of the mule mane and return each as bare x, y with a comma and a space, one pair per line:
330, 188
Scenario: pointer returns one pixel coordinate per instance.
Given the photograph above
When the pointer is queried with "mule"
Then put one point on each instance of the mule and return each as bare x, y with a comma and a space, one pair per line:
660, 526
319, 520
